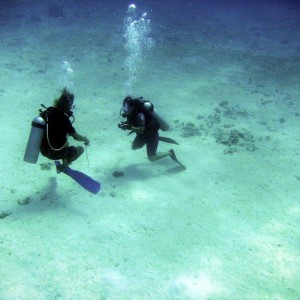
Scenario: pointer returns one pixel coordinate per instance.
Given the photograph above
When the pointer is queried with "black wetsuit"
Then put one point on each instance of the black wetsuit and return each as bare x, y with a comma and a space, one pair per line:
150, 136
58, 128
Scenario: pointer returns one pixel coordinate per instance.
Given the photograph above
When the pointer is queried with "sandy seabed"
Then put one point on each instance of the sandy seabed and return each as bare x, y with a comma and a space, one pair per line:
225, 228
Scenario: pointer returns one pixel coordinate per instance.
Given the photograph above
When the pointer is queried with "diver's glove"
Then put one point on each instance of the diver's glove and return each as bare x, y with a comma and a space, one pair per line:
124, 126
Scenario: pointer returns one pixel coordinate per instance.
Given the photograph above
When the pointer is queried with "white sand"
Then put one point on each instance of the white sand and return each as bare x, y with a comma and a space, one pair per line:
226, 228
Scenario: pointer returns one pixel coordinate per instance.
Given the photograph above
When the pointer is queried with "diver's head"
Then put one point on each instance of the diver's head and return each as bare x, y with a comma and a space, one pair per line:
127, 107
65, 101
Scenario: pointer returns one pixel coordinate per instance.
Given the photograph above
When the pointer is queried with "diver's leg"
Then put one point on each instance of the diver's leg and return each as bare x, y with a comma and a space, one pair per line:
79, 152
152, 144
138, 142
65, 155
68, 154
158, 156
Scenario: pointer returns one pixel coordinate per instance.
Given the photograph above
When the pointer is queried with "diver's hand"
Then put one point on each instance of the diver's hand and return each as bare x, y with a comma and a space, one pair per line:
124, 126
78, 137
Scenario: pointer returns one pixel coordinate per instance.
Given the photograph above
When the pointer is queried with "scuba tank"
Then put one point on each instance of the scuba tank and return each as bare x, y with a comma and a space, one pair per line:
38, 126
163, 124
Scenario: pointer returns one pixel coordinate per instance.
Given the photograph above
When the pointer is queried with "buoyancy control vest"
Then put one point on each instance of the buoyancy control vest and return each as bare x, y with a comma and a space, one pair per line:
142, 105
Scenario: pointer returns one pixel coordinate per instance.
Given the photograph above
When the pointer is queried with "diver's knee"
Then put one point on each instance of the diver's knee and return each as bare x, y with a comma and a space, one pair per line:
151, 158
80, 150
135, 147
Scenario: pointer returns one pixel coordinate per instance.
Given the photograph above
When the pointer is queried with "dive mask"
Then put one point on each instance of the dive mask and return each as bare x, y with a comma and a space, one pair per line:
125, 110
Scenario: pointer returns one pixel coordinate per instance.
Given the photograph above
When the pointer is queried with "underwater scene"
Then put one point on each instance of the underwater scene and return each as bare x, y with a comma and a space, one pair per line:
150, 149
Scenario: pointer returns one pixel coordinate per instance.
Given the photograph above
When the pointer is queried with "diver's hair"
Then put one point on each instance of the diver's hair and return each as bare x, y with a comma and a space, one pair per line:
63, 102
131, 101
128, 100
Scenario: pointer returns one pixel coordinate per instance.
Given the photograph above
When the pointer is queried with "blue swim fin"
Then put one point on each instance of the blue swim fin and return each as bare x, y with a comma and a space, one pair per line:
82, 179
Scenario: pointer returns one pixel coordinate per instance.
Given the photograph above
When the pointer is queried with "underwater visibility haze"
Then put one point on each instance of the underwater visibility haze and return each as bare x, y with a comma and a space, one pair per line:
225, 75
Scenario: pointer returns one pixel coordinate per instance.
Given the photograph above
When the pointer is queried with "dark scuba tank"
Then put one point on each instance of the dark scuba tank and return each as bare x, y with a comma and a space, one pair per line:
163, 124
38, 126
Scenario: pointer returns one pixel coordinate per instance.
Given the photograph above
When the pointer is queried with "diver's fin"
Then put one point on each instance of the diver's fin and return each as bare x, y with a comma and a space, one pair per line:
82, 179
173, 157
167, 140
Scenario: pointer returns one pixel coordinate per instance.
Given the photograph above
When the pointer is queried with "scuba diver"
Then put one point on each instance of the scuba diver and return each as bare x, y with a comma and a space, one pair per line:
54, 144
49, 136
143, 119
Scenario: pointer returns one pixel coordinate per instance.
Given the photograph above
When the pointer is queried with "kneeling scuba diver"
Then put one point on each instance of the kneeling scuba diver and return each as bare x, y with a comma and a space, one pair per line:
50, 131
144, 120
49, 136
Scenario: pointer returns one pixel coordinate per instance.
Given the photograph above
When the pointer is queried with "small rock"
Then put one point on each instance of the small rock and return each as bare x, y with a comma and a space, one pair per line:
45, 166
113, 194
24, 202
4, 214
118, 174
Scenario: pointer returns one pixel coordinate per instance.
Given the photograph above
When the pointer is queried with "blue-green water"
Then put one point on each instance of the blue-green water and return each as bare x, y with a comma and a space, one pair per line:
225, 74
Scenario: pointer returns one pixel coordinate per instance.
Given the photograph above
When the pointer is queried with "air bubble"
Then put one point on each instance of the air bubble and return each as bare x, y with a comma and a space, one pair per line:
65, 77
138, 43
131, 7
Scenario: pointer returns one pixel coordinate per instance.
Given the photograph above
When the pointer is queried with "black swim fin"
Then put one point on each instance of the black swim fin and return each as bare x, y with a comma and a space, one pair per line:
173, 157
167, 140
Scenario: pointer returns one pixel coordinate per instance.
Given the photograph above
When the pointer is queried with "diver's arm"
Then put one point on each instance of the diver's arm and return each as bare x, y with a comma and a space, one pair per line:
76, 136
138, 130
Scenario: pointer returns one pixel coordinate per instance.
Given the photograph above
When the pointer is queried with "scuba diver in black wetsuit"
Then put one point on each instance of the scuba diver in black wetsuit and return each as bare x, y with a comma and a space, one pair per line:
144, 120
55, 144
49, 136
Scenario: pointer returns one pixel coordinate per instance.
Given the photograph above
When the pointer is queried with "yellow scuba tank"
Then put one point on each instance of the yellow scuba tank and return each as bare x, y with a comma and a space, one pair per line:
163, 124
38, 126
